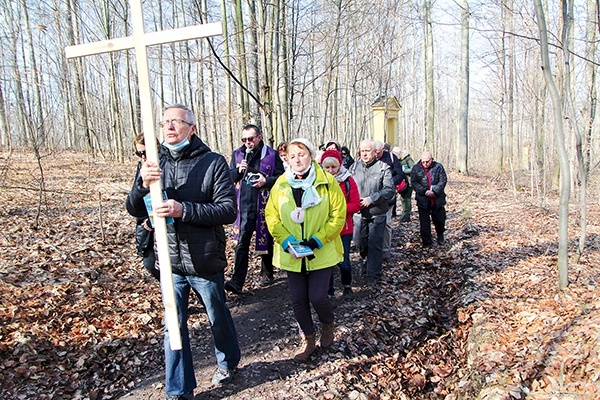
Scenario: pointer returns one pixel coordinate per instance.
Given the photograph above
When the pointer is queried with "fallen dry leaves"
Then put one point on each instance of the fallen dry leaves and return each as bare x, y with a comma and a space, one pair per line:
480, 317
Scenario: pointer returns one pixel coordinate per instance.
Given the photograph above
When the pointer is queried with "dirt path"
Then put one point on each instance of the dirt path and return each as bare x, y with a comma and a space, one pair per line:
479, 317
268, 337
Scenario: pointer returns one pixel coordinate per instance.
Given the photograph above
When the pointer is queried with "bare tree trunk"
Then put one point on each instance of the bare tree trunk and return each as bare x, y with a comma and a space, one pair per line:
563, 226
501, 120
329, 94
116, 136
429, 84
510, 95
72, 29
581, 174
4, 137
161, 51
253, 65
283, 105
202, 117
462, 155
591, 47
241, 57
135, 114
226, 57
539, 158
22, 117
264, 62
39, 131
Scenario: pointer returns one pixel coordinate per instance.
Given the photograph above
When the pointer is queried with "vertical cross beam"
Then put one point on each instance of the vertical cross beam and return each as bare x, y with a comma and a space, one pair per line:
140, 41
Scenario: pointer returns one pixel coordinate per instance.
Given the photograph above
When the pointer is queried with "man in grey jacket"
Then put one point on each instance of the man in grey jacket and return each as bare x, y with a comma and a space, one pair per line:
376, 188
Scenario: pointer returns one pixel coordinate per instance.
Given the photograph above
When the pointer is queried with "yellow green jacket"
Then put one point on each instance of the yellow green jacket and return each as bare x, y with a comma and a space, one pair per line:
323, 222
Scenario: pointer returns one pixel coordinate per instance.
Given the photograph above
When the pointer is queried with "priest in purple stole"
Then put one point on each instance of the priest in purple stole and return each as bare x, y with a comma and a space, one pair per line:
254, 168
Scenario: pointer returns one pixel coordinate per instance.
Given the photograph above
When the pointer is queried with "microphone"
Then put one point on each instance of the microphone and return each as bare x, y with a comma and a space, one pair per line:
247, 158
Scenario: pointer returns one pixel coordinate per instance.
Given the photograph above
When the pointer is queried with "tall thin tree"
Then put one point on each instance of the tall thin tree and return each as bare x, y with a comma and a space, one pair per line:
462, 150
565, 186
429, 84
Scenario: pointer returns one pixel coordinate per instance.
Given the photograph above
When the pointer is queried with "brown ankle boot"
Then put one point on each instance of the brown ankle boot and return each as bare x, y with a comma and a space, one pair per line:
309, 348
327, 334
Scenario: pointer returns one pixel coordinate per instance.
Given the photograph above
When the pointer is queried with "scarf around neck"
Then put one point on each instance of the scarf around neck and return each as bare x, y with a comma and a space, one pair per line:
342, 174
310, 197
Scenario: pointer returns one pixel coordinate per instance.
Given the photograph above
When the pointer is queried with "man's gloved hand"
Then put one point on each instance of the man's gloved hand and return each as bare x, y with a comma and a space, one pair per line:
312, 243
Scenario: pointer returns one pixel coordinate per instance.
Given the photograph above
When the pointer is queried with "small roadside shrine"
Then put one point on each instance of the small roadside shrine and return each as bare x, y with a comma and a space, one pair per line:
385, 119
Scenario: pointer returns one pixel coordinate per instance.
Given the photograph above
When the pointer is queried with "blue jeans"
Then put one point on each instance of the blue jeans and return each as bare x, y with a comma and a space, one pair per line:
345, 267
179, 368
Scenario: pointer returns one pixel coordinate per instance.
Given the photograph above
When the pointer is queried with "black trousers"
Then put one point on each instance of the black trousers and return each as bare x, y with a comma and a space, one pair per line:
242, 250
426, 217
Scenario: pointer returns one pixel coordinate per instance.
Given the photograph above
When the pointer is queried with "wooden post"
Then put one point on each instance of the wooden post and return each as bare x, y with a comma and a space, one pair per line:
140, 41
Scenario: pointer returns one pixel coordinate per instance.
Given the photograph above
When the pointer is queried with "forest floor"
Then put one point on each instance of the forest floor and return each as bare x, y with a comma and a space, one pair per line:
478, 317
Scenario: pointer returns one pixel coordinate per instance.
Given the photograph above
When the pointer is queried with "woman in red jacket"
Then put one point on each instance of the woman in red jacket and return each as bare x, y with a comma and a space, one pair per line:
331, 161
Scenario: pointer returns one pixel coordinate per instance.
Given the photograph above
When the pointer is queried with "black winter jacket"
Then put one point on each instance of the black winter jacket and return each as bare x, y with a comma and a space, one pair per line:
143, 237
418, 180
201, 182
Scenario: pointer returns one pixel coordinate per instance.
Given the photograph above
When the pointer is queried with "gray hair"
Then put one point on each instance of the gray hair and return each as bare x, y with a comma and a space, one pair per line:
189, 114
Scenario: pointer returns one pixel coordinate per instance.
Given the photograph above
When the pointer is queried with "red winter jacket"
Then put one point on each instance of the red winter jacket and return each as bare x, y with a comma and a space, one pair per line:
352, 204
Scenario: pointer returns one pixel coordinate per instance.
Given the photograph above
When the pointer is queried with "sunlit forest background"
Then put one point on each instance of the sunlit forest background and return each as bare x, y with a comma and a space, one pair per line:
312, 69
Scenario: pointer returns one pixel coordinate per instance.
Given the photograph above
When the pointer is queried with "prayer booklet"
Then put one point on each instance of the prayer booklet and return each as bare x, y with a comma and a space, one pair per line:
299, 251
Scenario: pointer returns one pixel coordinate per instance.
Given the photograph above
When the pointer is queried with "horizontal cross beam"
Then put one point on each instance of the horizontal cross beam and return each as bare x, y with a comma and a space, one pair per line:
150, 39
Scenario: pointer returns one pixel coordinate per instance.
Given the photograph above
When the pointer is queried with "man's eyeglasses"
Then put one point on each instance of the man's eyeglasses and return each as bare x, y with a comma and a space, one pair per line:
141, 154
248, 139
175, 122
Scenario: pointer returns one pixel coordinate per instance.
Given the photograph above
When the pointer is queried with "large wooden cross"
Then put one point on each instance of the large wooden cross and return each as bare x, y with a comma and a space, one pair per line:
140, 41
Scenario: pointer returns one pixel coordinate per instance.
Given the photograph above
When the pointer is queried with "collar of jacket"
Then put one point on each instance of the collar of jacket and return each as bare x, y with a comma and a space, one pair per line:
370, 163
195, 148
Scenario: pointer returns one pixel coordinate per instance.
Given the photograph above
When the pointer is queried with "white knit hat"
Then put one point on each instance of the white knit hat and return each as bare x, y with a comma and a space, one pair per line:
307, 144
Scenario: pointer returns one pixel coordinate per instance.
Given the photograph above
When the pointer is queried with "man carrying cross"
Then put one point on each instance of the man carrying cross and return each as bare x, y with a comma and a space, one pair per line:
201, 199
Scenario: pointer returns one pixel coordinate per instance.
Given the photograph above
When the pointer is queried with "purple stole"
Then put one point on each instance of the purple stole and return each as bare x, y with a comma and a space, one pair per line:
267, 167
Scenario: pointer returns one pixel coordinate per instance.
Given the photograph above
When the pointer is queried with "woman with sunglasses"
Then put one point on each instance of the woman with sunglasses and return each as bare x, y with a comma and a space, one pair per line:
144, 233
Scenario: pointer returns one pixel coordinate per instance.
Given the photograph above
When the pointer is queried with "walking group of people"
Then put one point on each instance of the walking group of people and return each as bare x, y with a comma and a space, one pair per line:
299, 204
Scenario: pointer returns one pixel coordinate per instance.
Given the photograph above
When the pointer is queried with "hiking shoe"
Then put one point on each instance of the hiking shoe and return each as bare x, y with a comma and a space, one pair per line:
372, 281
222, 376
440, 238
347, 292
265, 281
188, 396
233, 287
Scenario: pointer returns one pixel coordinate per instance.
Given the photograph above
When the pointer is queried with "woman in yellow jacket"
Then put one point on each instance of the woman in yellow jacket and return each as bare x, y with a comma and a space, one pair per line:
307, 207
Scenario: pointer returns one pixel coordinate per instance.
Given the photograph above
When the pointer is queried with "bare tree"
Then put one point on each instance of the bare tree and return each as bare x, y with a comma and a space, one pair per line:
242, 96
462, 154
116, 133
4, 137
565, 186
79, 82
283, 104
429, 84
591, 79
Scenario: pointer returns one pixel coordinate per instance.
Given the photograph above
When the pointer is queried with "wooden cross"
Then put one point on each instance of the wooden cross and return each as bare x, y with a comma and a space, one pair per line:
140, 41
